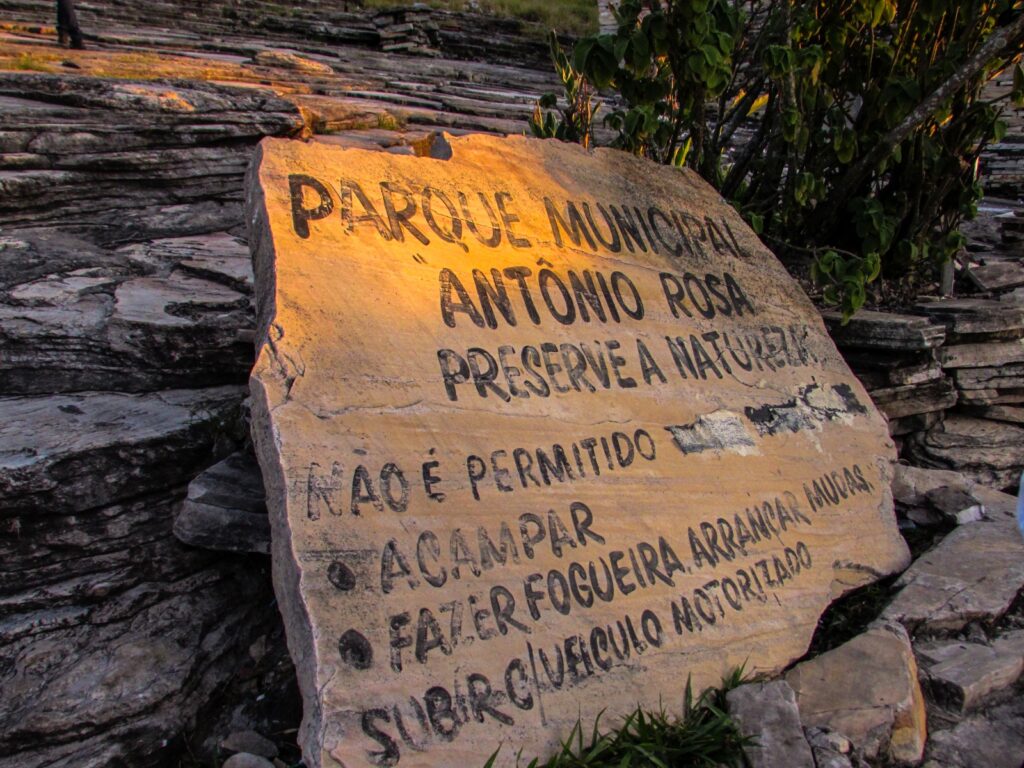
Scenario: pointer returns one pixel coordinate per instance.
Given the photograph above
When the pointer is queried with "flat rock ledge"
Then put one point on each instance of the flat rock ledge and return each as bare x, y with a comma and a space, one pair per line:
172, 153
168, 313
974, 574
963, 673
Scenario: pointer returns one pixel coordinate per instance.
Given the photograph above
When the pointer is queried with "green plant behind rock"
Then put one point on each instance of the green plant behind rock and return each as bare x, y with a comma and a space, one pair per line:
848, 132
575, 121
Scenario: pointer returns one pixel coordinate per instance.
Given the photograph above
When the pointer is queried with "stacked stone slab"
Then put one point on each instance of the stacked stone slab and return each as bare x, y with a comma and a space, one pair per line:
949, 374
80, 152
983, 354
894, 355
992, 263
984, 439
1003, 161
1012, 226
409, 30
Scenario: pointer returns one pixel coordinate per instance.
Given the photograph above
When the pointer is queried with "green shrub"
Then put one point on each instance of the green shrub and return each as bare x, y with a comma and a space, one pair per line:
863, 119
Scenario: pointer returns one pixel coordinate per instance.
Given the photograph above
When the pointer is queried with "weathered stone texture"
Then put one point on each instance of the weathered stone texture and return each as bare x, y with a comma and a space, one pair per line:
980, 354
250, 742
974, 574
962, 674
348, 382
976, 318
104, 618
114, 635
988, 452
123, 160
119, 385
118, 275
225, 509
866, 689
829, 748
767, 713
164, 314
993, 739
69, 453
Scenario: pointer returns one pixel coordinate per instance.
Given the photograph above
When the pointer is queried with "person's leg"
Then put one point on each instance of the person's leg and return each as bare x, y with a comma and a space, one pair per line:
62, 23
71, 30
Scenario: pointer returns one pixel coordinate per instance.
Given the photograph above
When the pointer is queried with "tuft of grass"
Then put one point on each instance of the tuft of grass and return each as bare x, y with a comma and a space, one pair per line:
389, 122
702, 736
28, 62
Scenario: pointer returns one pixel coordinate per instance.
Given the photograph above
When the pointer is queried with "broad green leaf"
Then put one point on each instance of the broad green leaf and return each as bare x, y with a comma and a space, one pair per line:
1017, 93
581, 52
999, 130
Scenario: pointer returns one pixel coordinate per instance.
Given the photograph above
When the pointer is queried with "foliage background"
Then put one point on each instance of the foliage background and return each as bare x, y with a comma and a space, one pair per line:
847, 133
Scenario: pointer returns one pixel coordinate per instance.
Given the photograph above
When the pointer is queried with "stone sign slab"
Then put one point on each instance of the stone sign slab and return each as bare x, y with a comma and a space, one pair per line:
545, 432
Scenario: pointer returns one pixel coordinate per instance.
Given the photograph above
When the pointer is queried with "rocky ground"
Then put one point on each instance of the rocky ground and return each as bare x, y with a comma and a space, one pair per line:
138, 626
935, 678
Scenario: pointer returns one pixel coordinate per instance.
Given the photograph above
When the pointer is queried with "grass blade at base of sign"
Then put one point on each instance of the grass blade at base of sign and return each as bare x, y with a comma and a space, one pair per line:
703, 736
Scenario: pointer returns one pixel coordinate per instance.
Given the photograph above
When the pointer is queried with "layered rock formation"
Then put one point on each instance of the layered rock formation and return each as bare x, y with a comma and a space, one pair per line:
949, 372
128, 160
123, 377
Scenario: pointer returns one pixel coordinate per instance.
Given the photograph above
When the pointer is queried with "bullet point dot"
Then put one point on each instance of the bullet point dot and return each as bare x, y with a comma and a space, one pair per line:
341, 576
355, 650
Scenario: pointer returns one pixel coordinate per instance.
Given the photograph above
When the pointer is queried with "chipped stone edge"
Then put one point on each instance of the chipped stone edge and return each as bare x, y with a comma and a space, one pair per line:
268, 376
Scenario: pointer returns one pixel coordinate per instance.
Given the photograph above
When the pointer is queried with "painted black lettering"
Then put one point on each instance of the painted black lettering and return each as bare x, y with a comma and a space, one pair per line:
301, 215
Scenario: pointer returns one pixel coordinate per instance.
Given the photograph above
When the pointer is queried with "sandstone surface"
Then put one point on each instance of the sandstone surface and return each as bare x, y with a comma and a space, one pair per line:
543, 432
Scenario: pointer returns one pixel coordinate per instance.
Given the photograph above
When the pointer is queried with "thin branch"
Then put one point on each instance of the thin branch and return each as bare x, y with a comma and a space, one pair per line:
752, 147
858, 173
